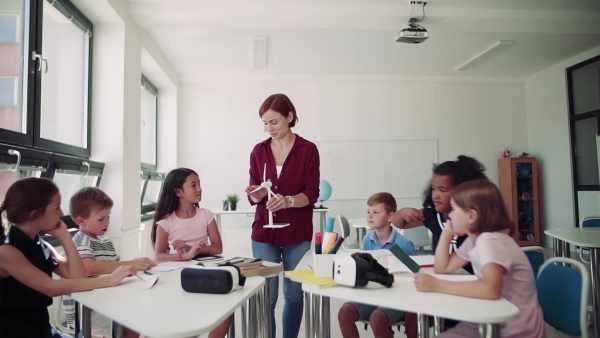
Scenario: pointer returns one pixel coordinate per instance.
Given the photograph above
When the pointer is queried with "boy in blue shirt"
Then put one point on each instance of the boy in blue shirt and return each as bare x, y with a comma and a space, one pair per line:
380, 209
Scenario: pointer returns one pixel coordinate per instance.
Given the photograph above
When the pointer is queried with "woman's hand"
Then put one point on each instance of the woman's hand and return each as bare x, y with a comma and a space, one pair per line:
278, 202
411, 215
425, 282
60, 232
258, 195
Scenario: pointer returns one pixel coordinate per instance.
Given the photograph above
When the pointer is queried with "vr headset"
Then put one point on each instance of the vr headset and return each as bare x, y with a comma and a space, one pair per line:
216, 280
360, 268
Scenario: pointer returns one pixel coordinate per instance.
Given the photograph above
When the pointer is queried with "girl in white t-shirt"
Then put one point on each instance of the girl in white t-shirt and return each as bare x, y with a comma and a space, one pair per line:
182, 230
501, 267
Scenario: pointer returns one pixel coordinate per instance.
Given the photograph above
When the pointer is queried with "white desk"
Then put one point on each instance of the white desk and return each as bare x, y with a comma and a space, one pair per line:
489, 314
361, 225
167, 310
322, 215
587, 238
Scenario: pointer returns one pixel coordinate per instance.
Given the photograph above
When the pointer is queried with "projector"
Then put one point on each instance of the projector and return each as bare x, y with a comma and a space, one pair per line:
412, 34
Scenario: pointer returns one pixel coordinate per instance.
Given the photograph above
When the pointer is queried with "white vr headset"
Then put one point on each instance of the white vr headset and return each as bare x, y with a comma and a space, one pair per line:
360, 268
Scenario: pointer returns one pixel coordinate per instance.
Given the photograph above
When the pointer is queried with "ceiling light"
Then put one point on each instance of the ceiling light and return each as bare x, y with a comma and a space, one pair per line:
491, 50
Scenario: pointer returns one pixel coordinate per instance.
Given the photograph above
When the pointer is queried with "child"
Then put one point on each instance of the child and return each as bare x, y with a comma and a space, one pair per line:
501, 267
381, 208
183, 228
90, 209
436, 199
32, 205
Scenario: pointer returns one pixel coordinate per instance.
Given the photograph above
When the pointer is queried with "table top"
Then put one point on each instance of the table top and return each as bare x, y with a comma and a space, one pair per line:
250, 211
403, 296
166, 310
586, 237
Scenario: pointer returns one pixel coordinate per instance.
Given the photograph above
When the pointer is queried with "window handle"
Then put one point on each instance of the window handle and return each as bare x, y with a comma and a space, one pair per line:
86, 164
18, 155
35, 56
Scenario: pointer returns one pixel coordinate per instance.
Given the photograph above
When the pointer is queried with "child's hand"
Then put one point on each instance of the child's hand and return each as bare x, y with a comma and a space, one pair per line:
142, 263
195, 250
180, 246
120, 273
411, 215
448, 228
61, 230
425, 282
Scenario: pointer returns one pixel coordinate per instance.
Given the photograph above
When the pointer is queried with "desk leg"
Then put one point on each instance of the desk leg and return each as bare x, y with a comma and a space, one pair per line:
308, 313
316, 323
266, 309
86, 321
595, 275
557, 247
489, 331
118, 330
249, 318
422, 326
566, 249
438, 326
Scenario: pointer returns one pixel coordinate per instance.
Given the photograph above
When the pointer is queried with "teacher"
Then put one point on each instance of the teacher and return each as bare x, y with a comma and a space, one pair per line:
291, 163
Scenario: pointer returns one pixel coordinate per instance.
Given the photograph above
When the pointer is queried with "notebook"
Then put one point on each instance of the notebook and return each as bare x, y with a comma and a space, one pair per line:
308, 276
394, 265
136, 282
409, 264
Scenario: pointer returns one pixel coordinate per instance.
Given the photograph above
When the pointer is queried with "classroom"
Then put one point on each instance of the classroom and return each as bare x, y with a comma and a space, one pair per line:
161, 84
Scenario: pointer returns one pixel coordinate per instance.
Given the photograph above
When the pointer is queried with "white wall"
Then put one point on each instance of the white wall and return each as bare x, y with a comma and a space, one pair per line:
548, 138
219, 124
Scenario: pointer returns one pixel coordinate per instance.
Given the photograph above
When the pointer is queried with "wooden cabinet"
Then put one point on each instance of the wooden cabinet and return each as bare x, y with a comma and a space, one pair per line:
518, 183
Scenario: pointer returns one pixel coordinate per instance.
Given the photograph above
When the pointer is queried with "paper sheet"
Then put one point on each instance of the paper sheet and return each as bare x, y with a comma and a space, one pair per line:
138, 282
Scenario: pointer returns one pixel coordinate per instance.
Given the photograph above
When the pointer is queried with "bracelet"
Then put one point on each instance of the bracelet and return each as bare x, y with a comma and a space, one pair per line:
179, 257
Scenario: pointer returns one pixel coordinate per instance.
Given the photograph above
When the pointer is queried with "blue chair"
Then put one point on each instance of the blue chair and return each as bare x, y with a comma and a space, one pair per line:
563, 292
535, 254
588, 222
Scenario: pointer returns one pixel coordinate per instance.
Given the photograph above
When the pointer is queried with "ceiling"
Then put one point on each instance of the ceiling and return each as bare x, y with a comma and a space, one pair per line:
209, 38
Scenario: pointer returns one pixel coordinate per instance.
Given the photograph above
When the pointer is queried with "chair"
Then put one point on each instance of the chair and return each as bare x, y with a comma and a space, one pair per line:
345, 230
535, 254
563, 293
588, 222
396, 324
418, 236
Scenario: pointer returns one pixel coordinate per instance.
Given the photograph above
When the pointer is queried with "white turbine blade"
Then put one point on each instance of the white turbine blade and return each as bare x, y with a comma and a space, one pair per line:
255, 190
269, 189
265, 173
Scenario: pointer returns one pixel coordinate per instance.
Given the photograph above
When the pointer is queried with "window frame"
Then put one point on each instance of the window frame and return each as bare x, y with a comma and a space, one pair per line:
573, 118
148, 86
32, 93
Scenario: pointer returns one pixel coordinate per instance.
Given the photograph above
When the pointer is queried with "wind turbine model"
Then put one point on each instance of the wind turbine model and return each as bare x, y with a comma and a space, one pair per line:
267, 185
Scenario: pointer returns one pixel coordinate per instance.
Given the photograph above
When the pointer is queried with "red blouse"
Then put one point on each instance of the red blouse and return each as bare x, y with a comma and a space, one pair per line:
300, 174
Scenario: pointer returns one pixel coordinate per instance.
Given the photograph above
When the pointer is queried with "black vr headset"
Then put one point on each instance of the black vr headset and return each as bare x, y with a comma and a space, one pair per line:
360, 268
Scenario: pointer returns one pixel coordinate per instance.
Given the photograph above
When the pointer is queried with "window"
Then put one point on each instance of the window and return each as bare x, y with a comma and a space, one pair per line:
583, 85
45, 48
151, 185
148, 124
17, 163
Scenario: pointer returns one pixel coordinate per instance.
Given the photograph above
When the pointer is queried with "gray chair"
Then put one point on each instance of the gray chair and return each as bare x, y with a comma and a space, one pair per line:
345, 232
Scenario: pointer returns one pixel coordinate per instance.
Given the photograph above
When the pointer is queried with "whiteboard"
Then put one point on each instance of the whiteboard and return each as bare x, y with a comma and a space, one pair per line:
358, 169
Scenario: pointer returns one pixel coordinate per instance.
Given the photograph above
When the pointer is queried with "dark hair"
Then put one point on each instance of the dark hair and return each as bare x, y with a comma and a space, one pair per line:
484, 197
87, 199
26, 196
168, 201
385, 198
463, 169
281, 104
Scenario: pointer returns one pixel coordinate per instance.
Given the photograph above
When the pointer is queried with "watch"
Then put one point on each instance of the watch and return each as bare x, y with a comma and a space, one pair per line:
291, 199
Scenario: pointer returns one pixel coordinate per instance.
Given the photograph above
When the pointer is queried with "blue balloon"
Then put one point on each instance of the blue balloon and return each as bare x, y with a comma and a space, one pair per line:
324, 191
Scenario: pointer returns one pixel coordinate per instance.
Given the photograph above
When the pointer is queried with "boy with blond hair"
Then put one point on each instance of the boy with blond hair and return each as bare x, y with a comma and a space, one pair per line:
380, 210
90, 208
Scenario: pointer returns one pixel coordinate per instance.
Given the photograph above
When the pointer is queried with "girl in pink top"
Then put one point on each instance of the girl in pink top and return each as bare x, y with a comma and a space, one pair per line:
183, 228
501, 267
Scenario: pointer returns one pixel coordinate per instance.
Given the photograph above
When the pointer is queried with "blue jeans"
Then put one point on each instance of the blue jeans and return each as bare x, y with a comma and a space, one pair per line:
292, 292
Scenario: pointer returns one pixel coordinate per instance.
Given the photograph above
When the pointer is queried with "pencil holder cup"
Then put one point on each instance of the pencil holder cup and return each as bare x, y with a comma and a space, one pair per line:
323, 265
